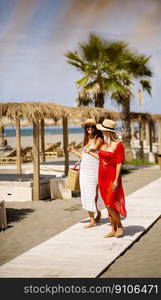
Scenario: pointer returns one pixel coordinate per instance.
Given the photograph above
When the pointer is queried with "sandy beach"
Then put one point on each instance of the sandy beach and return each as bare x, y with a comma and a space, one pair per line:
52, 138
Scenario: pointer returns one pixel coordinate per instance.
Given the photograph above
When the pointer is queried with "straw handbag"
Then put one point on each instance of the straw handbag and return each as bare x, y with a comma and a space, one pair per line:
72, 181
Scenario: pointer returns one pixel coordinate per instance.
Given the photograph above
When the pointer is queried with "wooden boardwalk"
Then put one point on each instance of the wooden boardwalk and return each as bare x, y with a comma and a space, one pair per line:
84, 253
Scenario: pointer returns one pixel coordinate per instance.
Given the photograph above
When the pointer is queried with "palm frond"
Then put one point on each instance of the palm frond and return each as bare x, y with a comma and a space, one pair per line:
74, 56
83, 81
111, 85
91, 84
146, 86
75, 64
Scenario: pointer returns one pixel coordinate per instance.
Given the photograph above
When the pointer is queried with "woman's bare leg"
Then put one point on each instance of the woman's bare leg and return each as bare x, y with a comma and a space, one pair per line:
92, 220
114, 228
115, 222
98, 217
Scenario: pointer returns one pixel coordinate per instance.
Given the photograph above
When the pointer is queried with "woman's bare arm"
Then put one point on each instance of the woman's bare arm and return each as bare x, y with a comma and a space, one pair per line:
118, 172
97, 145
71, 149
89, 151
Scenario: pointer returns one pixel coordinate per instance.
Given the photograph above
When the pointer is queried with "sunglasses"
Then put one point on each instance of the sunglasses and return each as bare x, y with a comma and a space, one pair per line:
91, 126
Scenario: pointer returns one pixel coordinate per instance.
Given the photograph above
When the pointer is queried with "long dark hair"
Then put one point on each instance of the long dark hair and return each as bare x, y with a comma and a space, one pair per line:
96, 134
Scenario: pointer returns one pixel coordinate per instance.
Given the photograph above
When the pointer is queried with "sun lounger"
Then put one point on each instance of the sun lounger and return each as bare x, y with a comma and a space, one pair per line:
54, 150
51, 147
72, 144
27, 154
79, 146
11, 157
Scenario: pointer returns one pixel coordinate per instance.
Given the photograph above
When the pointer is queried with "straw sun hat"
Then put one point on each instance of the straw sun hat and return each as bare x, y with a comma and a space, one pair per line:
107, 125
88, 121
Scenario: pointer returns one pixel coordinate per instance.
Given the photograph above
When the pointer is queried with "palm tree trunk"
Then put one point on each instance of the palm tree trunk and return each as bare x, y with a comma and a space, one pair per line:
126, 128
99, 100
126, 122
2, 134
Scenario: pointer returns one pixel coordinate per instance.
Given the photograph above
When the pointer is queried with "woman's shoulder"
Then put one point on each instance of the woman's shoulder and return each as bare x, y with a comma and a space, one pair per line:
118, 144
99, 139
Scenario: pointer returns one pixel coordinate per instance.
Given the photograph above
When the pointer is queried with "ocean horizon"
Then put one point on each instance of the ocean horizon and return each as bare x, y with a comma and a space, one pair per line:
10, 131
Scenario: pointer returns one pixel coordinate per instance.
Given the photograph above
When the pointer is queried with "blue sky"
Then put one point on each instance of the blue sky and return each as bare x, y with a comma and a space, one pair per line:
35, 34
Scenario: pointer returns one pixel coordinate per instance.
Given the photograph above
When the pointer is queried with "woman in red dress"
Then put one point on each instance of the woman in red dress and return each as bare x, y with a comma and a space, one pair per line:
111, 156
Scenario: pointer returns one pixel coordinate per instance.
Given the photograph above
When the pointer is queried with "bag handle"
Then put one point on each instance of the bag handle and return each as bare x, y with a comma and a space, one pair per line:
76, 164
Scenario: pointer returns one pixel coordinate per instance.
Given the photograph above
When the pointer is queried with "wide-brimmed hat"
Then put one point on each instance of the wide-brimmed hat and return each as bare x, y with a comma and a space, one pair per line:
88, 121
107, 125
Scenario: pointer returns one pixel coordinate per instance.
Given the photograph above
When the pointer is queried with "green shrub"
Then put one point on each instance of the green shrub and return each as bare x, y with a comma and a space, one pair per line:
138, 161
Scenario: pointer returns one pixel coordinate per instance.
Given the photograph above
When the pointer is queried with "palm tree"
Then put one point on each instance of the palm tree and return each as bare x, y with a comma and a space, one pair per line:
84, 98
135, 72
110, 67
98, 75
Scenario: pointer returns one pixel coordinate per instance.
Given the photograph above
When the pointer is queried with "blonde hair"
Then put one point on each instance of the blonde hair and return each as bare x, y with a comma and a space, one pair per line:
111, 136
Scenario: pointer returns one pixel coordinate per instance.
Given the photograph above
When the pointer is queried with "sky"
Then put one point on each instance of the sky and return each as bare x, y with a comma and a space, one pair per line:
36, 34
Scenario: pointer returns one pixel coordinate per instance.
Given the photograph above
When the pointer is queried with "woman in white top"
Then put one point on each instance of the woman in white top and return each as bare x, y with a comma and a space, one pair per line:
90, 197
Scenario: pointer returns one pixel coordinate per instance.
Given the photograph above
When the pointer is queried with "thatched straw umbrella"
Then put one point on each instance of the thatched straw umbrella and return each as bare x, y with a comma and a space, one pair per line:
34, 112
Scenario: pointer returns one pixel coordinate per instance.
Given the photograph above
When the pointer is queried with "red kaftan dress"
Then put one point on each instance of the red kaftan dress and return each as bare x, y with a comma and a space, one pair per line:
107, 172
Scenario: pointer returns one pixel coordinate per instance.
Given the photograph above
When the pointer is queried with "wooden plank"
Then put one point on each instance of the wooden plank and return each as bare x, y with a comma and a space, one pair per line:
42, 141
150, 136
36, 162
159, 137
18, 147
141, 137
147, 132
65, 144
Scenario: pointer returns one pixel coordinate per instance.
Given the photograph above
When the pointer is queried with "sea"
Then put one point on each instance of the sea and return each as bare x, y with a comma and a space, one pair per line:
10, 131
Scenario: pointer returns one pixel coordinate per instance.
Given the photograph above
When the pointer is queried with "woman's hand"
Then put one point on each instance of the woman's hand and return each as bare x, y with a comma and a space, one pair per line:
115, 185
87, 150
71, 149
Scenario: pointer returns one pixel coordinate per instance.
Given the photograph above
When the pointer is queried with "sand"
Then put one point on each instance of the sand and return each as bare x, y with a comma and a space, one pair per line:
51, 138
31, 223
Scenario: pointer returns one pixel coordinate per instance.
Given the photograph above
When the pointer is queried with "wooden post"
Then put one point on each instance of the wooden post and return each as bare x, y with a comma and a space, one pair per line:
150, 137
154, 132
42, 141
18, 147
159, 143
141, 137
147, 132
36, 162
65, 144
132, 133
159, 136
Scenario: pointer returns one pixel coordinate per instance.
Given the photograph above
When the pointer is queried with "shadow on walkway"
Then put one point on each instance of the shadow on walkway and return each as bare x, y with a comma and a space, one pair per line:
101, 222
14, 214
131, 230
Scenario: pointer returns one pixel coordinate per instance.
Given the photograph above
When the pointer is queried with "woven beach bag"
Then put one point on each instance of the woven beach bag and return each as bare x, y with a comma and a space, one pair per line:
72, 180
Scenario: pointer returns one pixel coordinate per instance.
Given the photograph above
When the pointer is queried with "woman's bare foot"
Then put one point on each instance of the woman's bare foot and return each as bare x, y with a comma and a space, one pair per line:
110, 234
119, 231
97, 219
90, 225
